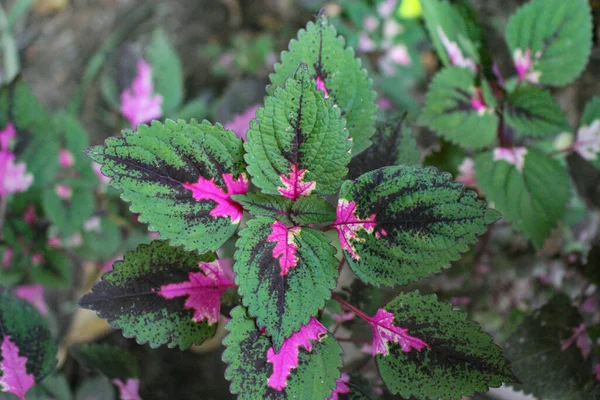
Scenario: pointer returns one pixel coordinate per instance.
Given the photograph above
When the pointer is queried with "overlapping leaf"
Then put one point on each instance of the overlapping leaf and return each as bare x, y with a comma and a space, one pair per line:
284, 274
159, 295
339, 72
298, 144
533, 111
460, 112
544, 367
460, 359
399, 224
534, 199
179, 176
27, 349
551, 40
456, 38
249, 371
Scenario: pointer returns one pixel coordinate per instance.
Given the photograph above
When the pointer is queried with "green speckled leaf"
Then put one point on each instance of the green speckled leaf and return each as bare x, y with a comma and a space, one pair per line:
265, 205
449, 109
112, 361
558, 35
129, 297
399, 224
312, 210
249, 371
460, 359
346, 82
283, 282
164, 168
27, 329
533, 200
298, 143
532, 111
543, 367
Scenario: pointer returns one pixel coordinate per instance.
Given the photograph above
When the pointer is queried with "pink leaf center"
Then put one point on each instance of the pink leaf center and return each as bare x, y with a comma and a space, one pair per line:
348, 224
455, 53
341, 387
321, 86
524, 66
514, 156
384, 332
285, 247
294, 185
15, 378
478, 103
206, 189
138, 104
204, 290
287, 358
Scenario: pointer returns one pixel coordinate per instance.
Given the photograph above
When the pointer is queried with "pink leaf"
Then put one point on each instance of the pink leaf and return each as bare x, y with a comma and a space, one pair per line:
348, 224
524, 65
204, 290
65, 158
455, 53
285, 248
321, 86
287, 358
7, 257
138, 104
206, 189
588, 141
6, 136
15, 378
241, 122
30, 217
13, 177
514, 156
384, 332
340, 387
34, 294
294, 185
128, 390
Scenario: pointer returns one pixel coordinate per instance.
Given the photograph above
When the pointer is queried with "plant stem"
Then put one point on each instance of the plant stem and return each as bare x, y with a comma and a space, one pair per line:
350, 307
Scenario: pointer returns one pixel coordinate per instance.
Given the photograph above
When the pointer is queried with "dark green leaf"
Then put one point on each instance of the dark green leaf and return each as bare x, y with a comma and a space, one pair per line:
346, 82
460, 359
112, 361
97, 388
312, 210
284, 274
399, 224
162, 169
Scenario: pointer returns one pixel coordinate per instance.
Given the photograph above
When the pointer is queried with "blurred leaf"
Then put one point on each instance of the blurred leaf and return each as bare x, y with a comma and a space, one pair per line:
166, 71
111, 361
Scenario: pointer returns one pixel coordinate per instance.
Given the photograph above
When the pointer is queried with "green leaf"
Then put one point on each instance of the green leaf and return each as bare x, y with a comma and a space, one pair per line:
460, 359
393, 144
543, 367
53, 387
462, 37
533, 200
112, 361
558, 36
449, 110
155, 167
399, 224
346, 82
129, 297
265, 205
284, 274
312, 210
248, 369
68, 215
28, 331
532, 111
591, 112
298, 144
98, 387
54, 271
166, 70
101, 243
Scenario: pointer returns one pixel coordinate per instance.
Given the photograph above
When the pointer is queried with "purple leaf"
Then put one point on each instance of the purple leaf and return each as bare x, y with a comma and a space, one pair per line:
341, 387
348, 224
285, 248
129, 389
287, 358
204, 290
241, 122
34, 294
384, 332
206, 189
294, 185
15, 378
138, 104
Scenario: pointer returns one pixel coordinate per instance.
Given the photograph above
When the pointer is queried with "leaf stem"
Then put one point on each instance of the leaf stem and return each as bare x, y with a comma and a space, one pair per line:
350, 307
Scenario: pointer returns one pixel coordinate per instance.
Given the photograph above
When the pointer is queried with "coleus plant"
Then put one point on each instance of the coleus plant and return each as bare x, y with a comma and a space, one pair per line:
514, 132
201, 188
